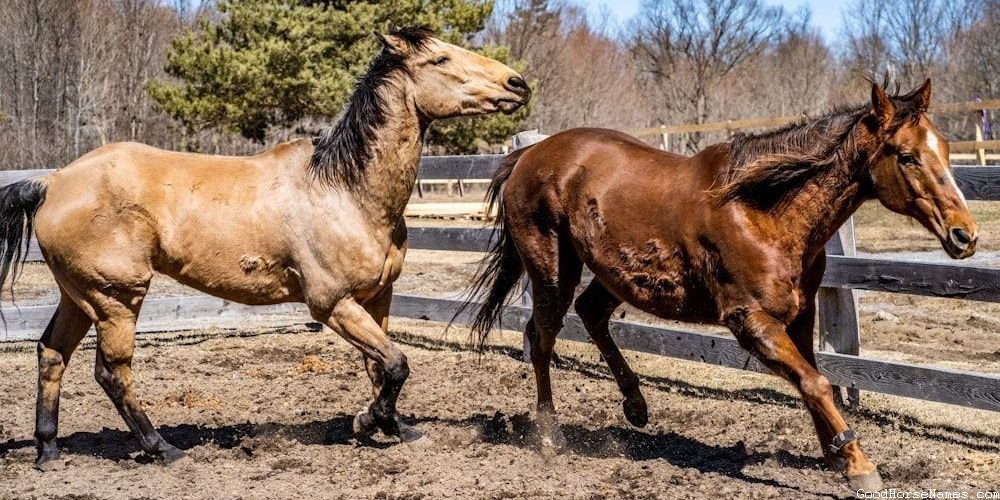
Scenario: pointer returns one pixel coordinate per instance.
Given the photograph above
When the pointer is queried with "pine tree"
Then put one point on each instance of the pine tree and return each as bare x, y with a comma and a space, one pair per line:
271, 63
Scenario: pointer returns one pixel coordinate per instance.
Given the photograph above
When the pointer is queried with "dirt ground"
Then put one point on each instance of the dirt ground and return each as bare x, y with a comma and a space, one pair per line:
266, 413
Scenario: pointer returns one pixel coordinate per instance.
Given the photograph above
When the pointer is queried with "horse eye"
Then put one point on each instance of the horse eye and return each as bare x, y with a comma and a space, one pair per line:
907, 160
441, 61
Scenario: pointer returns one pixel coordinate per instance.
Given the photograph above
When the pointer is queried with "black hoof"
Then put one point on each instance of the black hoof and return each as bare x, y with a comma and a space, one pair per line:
636, 412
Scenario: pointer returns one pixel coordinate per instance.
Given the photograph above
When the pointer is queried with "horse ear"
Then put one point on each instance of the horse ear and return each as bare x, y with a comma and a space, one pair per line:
882, 105
392, 43
921, 97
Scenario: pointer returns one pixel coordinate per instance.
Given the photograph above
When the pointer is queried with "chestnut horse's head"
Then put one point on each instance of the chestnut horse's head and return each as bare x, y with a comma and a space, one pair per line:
911, 173
450, 81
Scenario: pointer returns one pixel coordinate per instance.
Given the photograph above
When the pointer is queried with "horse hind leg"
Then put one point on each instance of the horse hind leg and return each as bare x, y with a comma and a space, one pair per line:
66, 329
595, 307
113, 369
554, 277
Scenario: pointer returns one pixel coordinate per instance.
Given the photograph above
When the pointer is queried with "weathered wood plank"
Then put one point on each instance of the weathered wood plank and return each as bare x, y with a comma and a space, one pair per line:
915, 278
165, 314
459, 167
12, 176
845, 272
978, 183
888, 377
913, 381
456, 239
902, 379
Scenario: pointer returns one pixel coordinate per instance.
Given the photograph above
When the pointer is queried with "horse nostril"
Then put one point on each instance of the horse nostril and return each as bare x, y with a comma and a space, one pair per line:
961, 237
517, 85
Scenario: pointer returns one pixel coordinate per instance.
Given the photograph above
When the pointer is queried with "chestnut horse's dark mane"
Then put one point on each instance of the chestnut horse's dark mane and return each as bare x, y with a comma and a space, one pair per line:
342, 150
768, 169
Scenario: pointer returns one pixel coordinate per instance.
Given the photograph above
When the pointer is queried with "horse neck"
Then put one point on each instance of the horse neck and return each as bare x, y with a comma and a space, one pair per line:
390, 176
815, 214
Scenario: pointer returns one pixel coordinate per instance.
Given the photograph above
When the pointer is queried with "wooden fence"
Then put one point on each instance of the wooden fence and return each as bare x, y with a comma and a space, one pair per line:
839, 327
974, 151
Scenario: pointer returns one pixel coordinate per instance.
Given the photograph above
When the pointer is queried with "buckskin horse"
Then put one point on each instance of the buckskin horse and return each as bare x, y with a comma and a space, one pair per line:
316, 221
733, 235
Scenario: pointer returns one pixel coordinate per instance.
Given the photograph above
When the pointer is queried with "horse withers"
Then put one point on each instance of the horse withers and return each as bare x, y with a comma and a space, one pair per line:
733, 235
316, 221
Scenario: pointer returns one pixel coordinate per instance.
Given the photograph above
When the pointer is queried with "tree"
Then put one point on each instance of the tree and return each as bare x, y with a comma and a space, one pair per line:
686, 48
912, 39
275, 63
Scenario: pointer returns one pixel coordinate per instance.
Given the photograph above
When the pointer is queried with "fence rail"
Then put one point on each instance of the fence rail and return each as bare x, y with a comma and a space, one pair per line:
844, 273
959, 149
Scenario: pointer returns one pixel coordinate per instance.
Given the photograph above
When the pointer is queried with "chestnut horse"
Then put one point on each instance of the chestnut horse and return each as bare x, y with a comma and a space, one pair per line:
316, 221
733, 235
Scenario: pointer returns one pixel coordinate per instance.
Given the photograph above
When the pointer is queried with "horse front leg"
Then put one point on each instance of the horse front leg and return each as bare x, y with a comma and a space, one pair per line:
378, 308
352, 322
767, 338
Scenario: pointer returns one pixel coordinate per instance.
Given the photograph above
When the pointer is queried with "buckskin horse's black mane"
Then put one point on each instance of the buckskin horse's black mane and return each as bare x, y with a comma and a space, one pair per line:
342, 151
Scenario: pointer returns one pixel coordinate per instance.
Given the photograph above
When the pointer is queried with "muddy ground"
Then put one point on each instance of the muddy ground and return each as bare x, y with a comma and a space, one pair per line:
266, 413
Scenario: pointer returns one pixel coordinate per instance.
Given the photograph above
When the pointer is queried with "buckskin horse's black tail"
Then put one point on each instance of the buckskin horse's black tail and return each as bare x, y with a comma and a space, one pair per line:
18, 204
501, 269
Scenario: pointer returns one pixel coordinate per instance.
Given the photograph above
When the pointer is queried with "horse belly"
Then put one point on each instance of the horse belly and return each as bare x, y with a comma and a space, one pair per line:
659, 280
246, 277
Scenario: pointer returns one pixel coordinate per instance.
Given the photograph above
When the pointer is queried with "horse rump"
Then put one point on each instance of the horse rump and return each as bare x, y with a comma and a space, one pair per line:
501, 268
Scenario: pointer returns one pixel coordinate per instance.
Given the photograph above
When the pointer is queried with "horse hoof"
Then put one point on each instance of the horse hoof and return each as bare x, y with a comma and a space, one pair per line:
871, 481
364, 424
174, 456
636, 412
50, 464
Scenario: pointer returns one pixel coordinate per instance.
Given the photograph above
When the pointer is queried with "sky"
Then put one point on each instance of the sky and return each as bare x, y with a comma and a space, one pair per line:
826, 14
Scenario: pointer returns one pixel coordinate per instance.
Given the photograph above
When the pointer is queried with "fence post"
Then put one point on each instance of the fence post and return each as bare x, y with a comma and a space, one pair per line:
523, 140
665, 137
839, 325
980, 153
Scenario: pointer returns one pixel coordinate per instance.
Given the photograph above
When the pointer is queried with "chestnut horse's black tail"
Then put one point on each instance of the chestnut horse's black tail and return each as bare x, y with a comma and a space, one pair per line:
18, 204
501, 269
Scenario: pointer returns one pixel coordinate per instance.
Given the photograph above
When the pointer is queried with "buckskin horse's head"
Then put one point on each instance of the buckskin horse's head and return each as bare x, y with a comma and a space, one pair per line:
450, 81
911, 173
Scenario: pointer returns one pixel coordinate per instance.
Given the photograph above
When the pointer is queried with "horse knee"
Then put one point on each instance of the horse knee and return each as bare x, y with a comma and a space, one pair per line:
112, 383
816, 386
397, 369
50, 363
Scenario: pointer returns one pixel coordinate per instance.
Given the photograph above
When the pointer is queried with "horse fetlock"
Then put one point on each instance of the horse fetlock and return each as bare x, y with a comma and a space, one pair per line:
47, 449
364, 424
